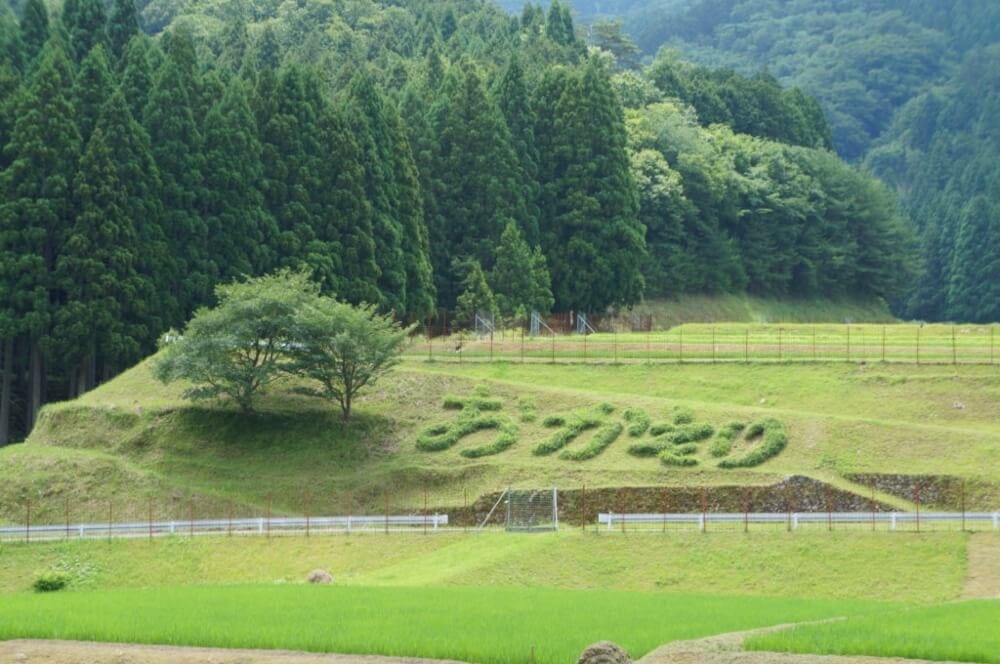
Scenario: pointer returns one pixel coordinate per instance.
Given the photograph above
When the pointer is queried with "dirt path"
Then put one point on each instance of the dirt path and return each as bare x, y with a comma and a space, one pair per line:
75, 652
726, 649
982, 580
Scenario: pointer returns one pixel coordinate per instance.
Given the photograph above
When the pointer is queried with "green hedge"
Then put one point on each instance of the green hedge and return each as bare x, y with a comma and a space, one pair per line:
506, 439
724, 439
452, 402
444, 436
683, 416
565, 436
661, 428
772, 443
668, 458
638, 421
47, 582
650, 449
691, 433
598, 443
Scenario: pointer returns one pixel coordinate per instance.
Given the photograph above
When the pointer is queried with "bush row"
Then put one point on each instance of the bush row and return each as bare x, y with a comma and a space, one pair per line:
638, 421
598, 443
773, 442
724, 439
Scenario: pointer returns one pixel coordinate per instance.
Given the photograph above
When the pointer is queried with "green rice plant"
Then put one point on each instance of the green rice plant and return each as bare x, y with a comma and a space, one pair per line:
683, 416
571, 431
724, 439
599, 442
638, 421
648, 449
691, 433
490, 625
961, 632
773, 441
668, 458
661, 428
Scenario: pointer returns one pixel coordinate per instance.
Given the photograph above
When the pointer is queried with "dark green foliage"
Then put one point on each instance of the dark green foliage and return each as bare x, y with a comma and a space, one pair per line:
690, 433
520, 277
638, 421
683, 416
472, 403
91, 90
599, 442
47, 582
591, 234
974, 289
668, 458
572, 428
514, 101
650, 449
34, 27
86, 23
442, 437
773, 441
137, 76
123, 24
661, 428
725, 437
477, 296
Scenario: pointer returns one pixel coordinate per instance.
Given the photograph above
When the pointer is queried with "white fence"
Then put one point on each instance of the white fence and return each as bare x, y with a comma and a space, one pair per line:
263, 527
796, 520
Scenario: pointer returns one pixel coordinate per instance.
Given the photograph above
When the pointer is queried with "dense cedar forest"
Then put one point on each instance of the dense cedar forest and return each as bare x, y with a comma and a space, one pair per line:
911, 89
415, 154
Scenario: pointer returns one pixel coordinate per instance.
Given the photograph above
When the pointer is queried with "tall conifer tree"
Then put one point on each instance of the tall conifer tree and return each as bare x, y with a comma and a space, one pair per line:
34, 27
123, 24
86, 23
91, 90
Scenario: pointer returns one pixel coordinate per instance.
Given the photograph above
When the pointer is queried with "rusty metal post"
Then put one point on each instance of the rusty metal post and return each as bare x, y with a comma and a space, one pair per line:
191, 516
308, 505
848, 342
704, 510
66, 507
829, 509
621, 508
883, 343
150, 516
954, 355
680, 351
110, 505
917, 496
583, 508
713, 345
963, 505
781, 332
871, 504
387, 513
522, 342
465, 506
425, 511
229, 523
746, 345
666, 505
746, 510
918, 344
27, 520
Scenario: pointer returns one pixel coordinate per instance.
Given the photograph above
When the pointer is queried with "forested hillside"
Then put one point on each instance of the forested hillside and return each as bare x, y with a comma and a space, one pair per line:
420, 155
910, 91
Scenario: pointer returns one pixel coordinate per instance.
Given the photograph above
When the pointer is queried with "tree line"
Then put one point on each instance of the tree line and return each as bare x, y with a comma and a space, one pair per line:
416, 156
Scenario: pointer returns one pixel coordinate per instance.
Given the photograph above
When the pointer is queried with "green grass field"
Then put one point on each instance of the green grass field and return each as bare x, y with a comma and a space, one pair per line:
487, 625
962, 632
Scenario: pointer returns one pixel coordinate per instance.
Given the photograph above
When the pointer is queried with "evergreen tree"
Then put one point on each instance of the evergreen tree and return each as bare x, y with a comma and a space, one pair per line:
156, 306
137, 76
268, 50
591, 234
12, 65
123, 24
559, 24
520, 277
36, 207
96, 272
476, 296
91, 90
974, 287
34, 27
177, 148
514, 102
85, 22
478, 178
240, 231
372, 131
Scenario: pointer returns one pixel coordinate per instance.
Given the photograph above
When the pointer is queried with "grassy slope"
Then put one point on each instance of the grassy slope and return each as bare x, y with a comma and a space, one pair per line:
132, 438
751, 309
839, 565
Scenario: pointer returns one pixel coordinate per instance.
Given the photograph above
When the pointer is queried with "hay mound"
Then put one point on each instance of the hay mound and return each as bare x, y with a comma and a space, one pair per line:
319, 577
604, 652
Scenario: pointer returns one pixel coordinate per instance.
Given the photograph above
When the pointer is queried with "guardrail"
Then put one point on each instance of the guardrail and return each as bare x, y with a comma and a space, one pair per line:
795, 520
262, 526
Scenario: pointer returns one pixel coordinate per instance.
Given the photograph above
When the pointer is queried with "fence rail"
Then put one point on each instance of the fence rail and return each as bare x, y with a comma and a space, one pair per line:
901, 344
797, 520
261, 526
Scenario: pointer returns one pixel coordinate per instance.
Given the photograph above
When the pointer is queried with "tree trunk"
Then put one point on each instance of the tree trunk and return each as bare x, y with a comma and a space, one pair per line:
5, 379
34, 385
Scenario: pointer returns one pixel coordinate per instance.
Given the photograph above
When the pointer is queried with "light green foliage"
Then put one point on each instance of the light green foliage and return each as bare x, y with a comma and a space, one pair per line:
683, 416
556, 624
601, 439
477, 296
47, 582
441, 437
725, 437
669, 458
638, 421
774, 438
961, 632
690, 433
238, 349
343, 348
572, 427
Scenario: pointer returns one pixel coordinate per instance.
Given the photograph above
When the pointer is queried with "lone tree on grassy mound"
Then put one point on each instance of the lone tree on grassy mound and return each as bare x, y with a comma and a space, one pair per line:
344, 349
277, 325
237, 349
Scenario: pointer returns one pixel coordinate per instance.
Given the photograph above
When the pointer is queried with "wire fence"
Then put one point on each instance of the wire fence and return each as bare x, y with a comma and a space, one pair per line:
790, 521
733, 343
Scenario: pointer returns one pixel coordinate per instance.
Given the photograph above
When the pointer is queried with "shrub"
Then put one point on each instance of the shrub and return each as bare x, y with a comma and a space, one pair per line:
452, 402
566, 435
724, 439
650, 449
661, 428
506, 439
668, 458
683, 416
691, 433
554, 421
605, 408
685, 450
598, 443
526, 407
638, 421
47, 582
773, 442
443, 436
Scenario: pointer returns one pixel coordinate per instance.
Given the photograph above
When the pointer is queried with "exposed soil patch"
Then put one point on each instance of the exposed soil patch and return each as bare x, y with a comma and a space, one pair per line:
76, 652
982, 579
